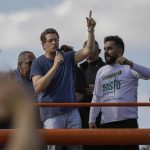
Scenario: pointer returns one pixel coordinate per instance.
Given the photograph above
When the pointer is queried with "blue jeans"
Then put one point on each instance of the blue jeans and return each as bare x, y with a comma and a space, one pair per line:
67, 120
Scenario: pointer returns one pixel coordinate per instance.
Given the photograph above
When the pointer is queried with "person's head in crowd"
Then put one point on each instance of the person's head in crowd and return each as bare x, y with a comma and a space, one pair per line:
66, 48
113, 48
95, 54
25, 60
50, 40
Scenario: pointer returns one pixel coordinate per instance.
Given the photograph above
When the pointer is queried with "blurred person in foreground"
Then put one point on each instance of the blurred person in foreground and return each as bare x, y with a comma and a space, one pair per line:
117, 81
52, 76
15, 104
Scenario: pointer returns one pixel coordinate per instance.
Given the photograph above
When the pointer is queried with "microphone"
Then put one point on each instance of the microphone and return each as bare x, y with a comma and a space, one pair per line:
59, 51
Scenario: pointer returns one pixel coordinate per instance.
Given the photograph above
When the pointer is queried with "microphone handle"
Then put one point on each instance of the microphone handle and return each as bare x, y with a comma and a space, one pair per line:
59, 51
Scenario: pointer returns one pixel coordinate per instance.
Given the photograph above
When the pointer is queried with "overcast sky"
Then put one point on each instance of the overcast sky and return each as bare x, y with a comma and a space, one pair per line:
22, 21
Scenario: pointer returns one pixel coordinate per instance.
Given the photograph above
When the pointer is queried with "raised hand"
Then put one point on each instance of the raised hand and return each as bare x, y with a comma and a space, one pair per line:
124, 61
89, 89
90, 22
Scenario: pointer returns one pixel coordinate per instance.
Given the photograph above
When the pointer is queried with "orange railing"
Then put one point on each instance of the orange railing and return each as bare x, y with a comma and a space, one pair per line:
92, 104
89, 136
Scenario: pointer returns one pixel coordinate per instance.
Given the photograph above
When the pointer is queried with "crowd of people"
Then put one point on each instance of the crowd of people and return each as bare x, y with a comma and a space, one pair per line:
62, 75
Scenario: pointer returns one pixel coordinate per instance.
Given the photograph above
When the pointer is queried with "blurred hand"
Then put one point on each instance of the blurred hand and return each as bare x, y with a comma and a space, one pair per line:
12, 97
16, 104
89, 89
92, 125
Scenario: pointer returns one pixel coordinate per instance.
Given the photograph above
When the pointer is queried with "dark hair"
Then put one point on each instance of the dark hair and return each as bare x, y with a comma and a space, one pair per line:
48, 31
21, 55
66, 48
118, 41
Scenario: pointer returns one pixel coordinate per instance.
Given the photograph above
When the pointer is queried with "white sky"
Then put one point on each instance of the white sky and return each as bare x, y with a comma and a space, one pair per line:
21, 23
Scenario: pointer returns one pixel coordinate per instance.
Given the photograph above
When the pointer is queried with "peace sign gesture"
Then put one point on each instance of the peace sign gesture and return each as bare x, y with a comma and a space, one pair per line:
90, 22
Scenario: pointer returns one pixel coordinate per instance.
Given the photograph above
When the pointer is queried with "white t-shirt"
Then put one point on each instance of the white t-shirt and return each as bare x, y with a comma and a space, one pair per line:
117, 83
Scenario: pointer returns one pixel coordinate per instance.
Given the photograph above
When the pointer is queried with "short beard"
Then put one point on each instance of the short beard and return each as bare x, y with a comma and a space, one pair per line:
111, 61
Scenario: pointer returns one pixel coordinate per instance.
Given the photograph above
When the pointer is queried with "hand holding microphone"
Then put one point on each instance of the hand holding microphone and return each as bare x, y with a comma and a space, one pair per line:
59, 51
58, 58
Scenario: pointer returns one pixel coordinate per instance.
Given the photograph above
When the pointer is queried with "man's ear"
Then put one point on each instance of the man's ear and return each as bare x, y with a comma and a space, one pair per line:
43, 45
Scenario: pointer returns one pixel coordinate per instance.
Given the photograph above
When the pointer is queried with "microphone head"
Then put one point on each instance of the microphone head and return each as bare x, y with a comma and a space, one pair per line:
59, 51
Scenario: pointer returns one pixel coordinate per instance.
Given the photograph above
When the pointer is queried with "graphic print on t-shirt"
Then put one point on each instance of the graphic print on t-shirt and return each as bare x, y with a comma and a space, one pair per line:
111, 83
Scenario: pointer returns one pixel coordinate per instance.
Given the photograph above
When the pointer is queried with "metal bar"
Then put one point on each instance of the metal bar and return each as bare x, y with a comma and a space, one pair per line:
91, 104
89, 136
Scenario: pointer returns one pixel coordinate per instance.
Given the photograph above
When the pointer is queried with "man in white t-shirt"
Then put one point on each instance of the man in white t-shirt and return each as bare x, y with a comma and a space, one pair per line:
117, 82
